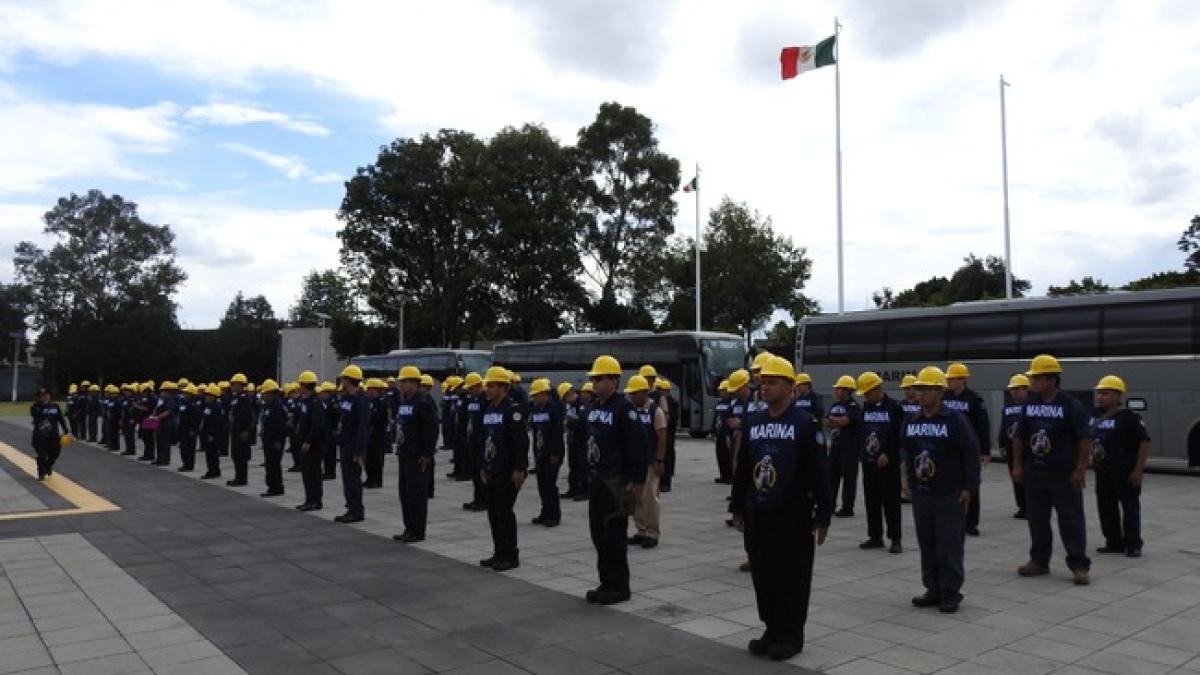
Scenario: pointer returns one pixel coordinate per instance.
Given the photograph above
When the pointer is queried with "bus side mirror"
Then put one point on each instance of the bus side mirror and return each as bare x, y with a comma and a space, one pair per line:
1137, 405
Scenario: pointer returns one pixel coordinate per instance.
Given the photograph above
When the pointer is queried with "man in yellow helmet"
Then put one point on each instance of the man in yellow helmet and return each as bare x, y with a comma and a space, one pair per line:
474, 401
1014, 403
959, 397
882, 421
546, 417
189, 422
129, 419
575, 420
108, 424
416, 443
274, 419
211, 431
48, 418
505, 460
93, 412
310, 431
354, 428
1120, 448
166, 410
377, 440
843, 424
646, 505
1051, 449
241, 426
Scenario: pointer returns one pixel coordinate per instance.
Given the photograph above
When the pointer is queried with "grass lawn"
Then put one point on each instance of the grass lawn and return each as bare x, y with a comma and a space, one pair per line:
19, 409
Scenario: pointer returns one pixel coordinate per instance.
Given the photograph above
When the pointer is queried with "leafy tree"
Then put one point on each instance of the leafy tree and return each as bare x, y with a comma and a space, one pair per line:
1171, 279
977, 279
325, 292
1087, 286
101, 295
628, 189
248, 337
1189, 243
782, 333
14, 312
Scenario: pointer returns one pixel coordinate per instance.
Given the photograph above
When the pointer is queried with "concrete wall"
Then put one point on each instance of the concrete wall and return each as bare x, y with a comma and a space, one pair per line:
29, 380
300, 349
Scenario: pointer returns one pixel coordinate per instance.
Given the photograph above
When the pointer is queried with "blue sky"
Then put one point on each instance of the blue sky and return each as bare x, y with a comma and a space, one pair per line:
237, 122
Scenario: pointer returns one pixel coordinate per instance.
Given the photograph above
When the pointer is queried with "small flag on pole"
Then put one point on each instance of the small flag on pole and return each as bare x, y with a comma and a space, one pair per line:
796, 60
692, 185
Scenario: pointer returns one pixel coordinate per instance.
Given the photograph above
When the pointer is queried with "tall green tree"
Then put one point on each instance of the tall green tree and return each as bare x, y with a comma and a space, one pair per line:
977, 279
1189, 243
14, 314
249, 336
1086, 286
101, 295
324, 292
629, 184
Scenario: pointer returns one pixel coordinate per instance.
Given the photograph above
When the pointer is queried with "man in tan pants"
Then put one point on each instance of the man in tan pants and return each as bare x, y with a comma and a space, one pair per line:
645, 500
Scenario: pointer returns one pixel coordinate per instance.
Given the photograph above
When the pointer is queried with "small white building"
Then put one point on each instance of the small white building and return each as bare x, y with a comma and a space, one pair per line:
307, 349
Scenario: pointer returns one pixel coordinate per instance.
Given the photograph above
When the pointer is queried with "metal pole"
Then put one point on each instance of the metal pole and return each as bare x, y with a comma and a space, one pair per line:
696, 183
323, 341
837, 87
1008, 275
401, 327
16, 356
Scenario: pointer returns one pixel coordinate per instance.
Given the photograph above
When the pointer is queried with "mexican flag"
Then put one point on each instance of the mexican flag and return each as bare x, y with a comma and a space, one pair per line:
692, 185
796, 60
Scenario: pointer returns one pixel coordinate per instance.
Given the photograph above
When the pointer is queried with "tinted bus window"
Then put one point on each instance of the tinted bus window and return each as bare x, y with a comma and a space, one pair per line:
1149, 329
475, 363
816, 344
916, 340
1062, 332
985, 336
856, 342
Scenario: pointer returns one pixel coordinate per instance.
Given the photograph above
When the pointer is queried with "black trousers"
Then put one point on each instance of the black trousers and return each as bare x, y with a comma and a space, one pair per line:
112, 436
1018, 489
940, 523
130, 434
609, 506
163, 440
73, 423
240, 453
331, 458
273, 454
1046, 490
577, 467
414, 494
462, 464
1120, 507
973, 509
843, 470
47, 449
93, 423
375, 462
722, 452
294, 450
501, 498
310, 471
352, 487
479, 488
187, 448
668, 463
781, 549
881, 492
212, 455
547, 484
147, 443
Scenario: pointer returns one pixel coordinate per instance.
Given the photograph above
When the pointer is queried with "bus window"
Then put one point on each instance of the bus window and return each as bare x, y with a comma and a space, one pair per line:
475, 363
722, 357
1061, 332
856, 342
984, 336
1148, 329
816, 344
916, 340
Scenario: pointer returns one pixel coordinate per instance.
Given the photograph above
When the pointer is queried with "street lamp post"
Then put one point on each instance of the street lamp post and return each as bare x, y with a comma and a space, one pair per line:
323, 318
400, 328
17, 336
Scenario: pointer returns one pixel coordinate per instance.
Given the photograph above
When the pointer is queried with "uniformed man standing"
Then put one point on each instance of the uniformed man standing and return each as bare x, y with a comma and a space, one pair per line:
546, 423
1052, 448
1018, 392
671, 408
941, 456
291, 403
808, 400
576, 426
109, 410
882, 423
129, 419
48, 418
327, 394
617, 451
274, 420
964, 400
505, 459
843, 424
426, 389
416, 441
354, 428
646, 507
226, 401
721, 434
310, 431
517, 392
189, 422
93, 412
1120, 447
911, 407
212, 430
472, 432
71, 404
781, 502
149, 423
167, 412
241, 421
377, 437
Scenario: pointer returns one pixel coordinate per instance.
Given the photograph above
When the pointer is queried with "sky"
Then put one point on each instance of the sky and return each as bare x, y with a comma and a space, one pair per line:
238, 122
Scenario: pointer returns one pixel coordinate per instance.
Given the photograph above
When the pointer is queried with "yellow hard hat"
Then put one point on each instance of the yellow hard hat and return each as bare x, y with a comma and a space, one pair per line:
845, 382
94, 387
635, 384
662, 383
352, 372
723, 386
128, 386
268, 386
803, 378
111, 389
647, 371
1044, 364
250, 387
409, 373
539, 386
145, 386
957, 371
605, 365
375, 383
85, 384
471, 380
288, 387
737, 379
1111, 383
72, 389
168, 385
426, 380
587, 386
191, 389
327, 386
908, 381
224, 384
777, 366
454, 381
66, 439
930, 376
497, 375
759, 360
563, 388
1018, 380
213, 390
183, 383
238, 378
306, 377
391, 379
867, 381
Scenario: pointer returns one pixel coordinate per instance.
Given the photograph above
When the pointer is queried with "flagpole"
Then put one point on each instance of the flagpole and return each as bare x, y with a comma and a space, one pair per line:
696, 184
837, 84
1008, 276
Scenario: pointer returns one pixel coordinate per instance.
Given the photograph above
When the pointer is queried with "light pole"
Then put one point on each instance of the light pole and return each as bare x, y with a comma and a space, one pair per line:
323, 317
400, 328
1008, 274
16, 335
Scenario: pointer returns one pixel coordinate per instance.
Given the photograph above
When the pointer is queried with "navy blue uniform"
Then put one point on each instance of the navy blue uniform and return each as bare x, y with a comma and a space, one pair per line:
189, 409
292, 406
882, 424
274, 419
617, 450
1116, 437
241, 427
672, 411
311, 432
145, 409
168, 426
721, 441
843, 453
1008, 429
332, 418
47, 443
109, 434
781, 488
129, 422
92, 412
354, 429
505, 451
971, 404
575, 421
474, 434
212, 430
546, 422
1050, 433
941, 457
812, 404
377, 441
416, 439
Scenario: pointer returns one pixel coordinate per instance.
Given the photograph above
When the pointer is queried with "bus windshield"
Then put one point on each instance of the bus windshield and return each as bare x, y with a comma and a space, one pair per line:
722, 357
475, 363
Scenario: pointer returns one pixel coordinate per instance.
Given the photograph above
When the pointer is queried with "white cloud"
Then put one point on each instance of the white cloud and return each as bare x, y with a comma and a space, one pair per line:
232, 115
291, 166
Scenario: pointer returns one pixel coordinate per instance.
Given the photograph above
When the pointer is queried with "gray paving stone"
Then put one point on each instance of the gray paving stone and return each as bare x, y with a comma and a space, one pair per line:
118, 664
379, 662
83, 651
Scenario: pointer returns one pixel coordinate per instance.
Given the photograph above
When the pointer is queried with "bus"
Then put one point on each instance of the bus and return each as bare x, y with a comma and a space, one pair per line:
1150, 338
694, 363
436, 362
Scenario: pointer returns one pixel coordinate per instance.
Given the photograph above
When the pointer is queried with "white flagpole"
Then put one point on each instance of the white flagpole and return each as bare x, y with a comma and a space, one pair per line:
696, 185
837, 84
1008, 276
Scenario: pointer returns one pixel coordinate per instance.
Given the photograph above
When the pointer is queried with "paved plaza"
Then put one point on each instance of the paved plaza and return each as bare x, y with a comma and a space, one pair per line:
192, 576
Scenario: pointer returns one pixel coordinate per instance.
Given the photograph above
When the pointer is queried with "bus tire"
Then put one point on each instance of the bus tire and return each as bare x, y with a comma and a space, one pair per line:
698, 434
1193, 446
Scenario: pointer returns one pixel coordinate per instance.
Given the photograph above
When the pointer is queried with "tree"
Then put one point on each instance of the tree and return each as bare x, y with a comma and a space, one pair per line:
1088, 286
1171, 279
14, 313
782, 333
325, 292
1189, 243
628, 189
101, 296
977, 279
248, 337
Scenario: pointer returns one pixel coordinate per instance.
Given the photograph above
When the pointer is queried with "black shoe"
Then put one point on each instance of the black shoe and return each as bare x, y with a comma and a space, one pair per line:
294, 469
311, 507
262, 465
844, 513
722, 481
905, 500
185, 469
592, 595
162, 463
41, 475
729, 522
348, 518
372, 486
566, 495
1020, 514
949, 605
895, 548
871, 543
649, 542
477, 507
664, 488
461, 478
301, 507
207, 476
1134, 553
927, 600
760, 645
506, 565
413, 538
145, 459
634, 540
973, 531
329, 476
400, 537
451, 475
129, 452
271, 493
550, 523
608, 597
581, 497
487, 562
235, 483
1108, 548
539, 520
781, 651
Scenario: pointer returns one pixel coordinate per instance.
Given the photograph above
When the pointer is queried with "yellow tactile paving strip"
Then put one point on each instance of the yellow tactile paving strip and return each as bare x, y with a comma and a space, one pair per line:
85, 500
